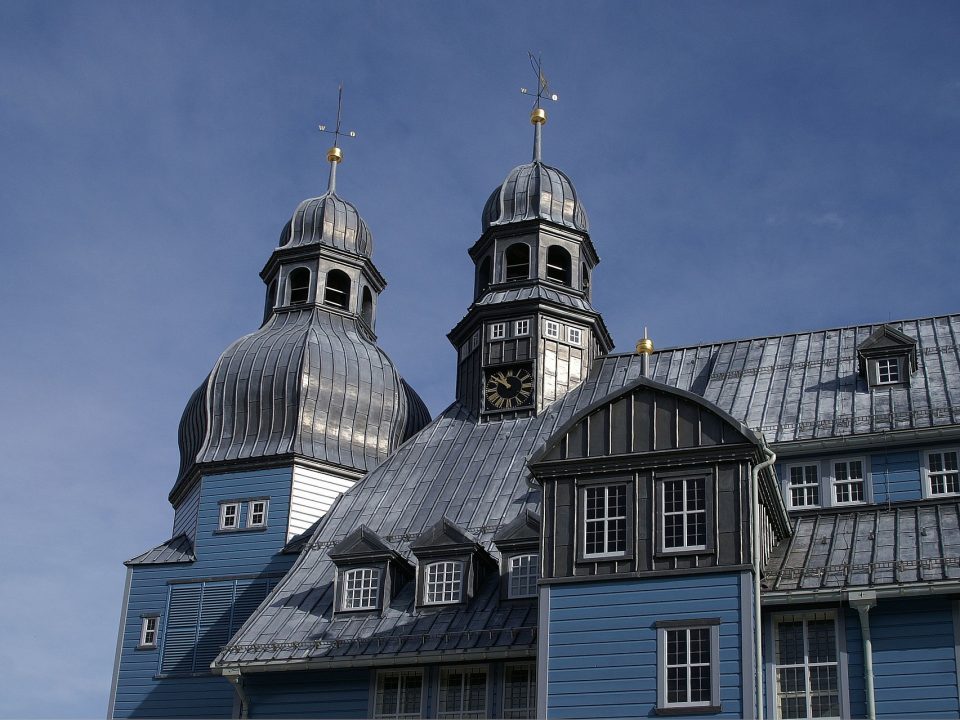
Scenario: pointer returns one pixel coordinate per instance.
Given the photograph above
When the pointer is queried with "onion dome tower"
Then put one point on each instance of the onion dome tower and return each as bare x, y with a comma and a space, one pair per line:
310, 387
531, 333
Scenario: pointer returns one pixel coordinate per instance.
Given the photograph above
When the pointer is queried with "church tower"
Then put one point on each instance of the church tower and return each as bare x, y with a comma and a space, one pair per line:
531, 333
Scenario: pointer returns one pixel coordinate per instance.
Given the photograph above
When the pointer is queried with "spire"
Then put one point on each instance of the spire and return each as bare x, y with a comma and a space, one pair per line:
335, 154
538, 116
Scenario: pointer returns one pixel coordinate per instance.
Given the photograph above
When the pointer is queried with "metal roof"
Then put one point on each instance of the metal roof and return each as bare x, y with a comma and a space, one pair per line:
175, 550
876, 546
535, 190
309, 382
328, 220
535, 292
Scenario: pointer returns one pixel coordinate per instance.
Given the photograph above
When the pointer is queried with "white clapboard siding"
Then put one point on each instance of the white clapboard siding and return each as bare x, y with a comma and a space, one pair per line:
185, 517
312, 494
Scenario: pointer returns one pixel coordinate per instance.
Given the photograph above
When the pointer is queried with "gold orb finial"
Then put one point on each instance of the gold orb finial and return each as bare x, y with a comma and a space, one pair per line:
538, 116
334, 154
645, 346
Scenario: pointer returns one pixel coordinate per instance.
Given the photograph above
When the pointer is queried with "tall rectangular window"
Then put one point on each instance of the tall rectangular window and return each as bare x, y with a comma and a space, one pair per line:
807, 672
399, 695
522, 576
942, 472
685, 514
443, 582
605, 520
848, 481
462, 693
229, 515
688, 667
804, 486
148, 632
257, 513
361, 589
888, 371
520, 690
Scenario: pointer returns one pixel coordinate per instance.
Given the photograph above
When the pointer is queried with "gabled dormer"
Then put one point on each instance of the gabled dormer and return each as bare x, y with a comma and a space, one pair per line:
369, 572
519, 546
887, 357
451, 565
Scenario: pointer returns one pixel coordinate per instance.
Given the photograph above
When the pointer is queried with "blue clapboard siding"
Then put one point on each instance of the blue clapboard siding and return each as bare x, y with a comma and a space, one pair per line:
320, 694
856, 690
914, 661
140, 693
896, 476
603, 643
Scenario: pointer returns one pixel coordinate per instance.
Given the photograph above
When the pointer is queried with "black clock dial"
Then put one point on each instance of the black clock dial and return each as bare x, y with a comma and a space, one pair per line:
508, 388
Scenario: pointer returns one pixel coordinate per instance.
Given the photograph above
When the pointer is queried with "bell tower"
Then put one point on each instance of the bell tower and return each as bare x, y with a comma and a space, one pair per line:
531, 333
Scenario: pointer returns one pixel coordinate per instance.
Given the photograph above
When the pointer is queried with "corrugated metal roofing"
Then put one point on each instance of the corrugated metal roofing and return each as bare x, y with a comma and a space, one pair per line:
175, 550
535, 191
328, 220
904, 543
535, 292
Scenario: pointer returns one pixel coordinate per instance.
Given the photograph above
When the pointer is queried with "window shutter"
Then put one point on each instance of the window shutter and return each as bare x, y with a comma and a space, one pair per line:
181, 635
250, 593
214, 622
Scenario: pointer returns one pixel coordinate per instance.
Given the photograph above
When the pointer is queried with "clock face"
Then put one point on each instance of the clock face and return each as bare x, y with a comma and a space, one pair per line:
508, 388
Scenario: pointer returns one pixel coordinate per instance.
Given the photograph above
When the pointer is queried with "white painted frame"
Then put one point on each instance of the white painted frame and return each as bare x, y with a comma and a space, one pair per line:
457, 582
250, 513
511, 576
551, 329
684, 513
789, 485
149, 624
223, 516
575, 336
773, 685
693, 624
889, 362
372, 583
865, 480
498, 331
521, 328
926, 472
605, 520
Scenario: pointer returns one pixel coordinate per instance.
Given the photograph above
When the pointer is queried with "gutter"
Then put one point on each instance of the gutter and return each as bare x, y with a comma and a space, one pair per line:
851, 595
862, 602
755, 511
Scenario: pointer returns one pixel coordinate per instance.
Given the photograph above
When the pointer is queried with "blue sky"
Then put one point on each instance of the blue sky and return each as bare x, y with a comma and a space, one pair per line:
748, 169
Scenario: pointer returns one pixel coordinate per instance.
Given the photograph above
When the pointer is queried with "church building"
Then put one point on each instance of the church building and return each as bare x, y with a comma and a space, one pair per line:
767, 527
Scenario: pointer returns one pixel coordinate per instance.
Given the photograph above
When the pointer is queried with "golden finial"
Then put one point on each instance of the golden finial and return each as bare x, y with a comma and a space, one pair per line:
538, 115
335, 154
644, 344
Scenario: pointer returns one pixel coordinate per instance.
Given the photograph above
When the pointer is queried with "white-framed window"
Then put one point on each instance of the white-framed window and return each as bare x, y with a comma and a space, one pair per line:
574, 336
257, 513
519, 690
888, 371
604, 520
522, 575
804, 485
848, 484
521, 328
462, 692
399, 695
806, 657
684, 511
688, 664
361, 589
229, 515
498, 331
551, 328
443, 582
942, 474
148, 632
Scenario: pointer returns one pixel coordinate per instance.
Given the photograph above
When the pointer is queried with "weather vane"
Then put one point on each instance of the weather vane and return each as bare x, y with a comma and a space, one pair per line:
335, 154
538, 116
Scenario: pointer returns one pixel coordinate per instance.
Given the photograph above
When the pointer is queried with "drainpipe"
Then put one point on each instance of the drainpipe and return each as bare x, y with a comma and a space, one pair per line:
755, 511
237, 681
862, 602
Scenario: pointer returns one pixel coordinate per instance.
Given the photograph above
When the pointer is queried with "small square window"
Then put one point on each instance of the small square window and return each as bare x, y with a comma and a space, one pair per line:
498, 331
573, 336
605, 521
522, 576
943, 475
257, 513
688, 672
462, 693
804, 486
148, 632
399, 695
229, 515
551, 329
361, 589
521, 328
443, 583
848, 486
888, 371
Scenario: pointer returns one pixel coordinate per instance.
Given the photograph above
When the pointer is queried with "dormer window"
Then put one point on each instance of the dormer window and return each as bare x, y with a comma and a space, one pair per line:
361, 589
337, 291
522, 576
888, 357
519, 544
443, 583
299, 285
517, 262
888, 371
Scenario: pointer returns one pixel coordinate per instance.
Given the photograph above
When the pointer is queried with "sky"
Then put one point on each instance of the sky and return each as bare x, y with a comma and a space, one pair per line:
747, 168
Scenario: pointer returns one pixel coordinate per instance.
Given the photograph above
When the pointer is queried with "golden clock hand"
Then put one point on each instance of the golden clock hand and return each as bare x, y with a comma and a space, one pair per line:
501, 380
